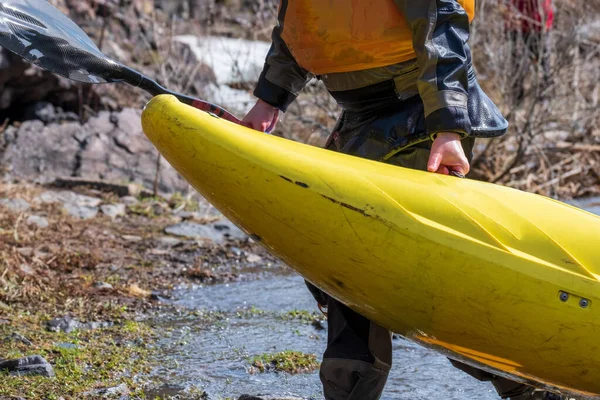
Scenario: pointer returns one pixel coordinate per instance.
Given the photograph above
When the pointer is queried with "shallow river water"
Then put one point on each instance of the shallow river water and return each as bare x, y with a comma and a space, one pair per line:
211, 348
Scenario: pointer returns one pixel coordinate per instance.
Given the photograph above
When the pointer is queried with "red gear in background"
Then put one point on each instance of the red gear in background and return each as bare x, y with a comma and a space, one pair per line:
533, 14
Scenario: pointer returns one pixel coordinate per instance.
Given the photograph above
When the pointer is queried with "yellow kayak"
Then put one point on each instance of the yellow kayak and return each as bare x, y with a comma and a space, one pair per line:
504, 280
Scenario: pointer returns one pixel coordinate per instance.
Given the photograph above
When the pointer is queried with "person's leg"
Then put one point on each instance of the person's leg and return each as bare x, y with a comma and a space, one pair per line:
358, 358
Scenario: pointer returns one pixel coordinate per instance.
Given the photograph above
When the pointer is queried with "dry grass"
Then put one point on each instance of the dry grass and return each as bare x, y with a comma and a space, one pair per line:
552, 147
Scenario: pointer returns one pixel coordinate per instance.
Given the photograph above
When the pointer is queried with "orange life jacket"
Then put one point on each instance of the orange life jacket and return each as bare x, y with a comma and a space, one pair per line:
327, 36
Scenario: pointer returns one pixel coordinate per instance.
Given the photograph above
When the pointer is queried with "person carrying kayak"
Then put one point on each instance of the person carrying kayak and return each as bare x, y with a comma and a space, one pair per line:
402, 73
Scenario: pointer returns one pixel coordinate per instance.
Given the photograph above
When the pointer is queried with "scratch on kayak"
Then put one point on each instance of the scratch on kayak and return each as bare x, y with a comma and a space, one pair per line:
301, 184
346, 205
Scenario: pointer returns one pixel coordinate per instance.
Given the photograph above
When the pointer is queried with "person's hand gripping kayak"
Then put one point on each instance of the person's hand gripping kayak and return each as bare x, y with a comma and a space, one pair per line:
447, 154
262, 117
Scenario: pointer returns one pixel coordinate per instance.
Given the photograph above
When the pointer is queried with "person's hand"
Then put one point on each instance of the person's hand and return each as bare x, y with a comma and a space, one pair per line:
447, 155
261, 116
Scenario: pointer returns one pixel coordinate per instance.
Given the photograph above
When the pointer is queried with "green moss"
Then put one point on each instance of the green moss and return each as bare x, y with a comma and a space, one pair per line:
292, 362
100, 358
178, 200
303, 315
249, 312
143, 209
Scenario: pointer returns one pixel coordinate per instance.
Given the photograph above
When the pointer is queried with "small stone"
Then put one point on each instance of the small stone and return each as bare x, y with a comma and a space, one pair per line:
68, 325
129, 200
188, 215
25, 251
166, 391
103, 286
81, 212
38, 221
32, 365
218, 232
16, 205
269, 397
137, 291
26, 269
65, 324
253, 258
131, 238
4, 306
169, 241
318, 324
121, 390
113, 268
113, 210
67, 346
97, 325
17, 337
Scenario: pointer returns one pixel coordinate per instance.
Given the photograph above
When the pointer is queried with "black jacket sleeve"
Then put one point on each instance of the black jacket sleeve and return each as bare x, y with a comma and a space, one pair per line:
282, 79
440, 31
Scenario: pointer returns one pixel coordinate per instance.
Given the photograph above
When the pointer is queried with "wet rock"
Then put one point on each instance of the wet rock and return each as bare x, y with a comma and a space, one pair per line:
17, 337
32, 365
38, 221
103, 286
165, 392
318, 324
16, 205
113, 210
121, 390
160, 296
208, 276
270, 397
218, 232
68, 325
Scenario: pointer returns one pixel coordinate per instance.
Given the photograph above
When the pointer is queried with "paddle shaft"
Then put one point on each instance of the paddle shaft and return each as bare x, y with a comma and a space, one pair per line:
135, 78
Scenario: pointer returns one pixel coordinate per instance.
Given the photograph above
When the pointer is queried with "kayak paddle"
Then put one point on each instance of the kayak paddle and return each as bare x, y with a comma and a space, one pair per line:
39, 33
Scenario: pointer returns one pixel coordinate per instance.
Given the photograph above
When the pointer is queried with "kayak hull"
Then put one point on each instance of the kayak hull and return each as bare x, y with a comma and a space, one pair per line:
495, 277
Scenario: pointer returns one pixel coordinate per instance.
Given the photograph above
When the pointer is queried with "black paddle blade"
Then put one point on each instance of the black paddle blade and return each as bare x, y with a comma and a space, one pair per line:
38, 32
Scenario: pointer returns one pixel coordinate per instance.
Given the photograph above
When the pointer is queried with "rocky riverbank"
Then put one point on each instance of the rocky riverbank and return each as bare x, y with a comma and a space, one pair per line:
81, 270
